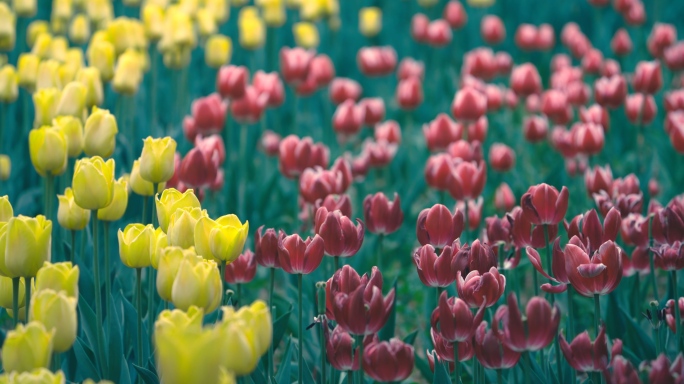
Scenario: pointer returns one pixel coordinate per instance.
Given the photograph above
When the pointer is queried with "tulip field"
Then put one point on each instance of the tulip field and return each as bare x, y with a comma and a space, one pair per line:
341, 191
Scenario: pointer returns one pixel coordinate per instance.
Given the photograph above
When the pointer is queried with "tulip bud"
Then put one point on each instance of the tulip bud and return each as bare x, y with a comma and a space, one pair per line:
370, 21
220, 240
197, 283
72, 100
238, 342
438, 227
273, 13
306, 35
27, 245
640, 108
409, 93
168, 264
492, 29
7, 28
9, 82
298, 256
57, 312
69, 215
376, 61
181, 228
136, 245
501, 157
48, 150
525, 80
381, 215
128, 73
58, 277
5, 167
218, 51
79, 30
101, 55
172, 200
242, 270
251, 31
621, 44
93, 183
469, 104
648, 77
45, 102
100, 133
27, 70
90, 77
73, 132
177, 320
157, 159
27, 347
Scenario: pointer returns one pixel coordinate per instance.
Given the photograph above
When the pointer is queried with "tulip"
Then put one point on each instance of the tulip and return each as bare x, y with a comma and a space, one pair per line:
306, 35
648, 77
199, 167
6, 210
661, 37
27, 348
198, 349
490, 351
469, 104
27, 70
348, 118
221, 240
156, 160
376, 61
640, 109
388, 132
208, 116
266, 248
172, 200
363, 310
525, 80
182, 224
535, 128
542, 204
498, 231
90, 77
456, 322
409, 93
8, 30
317, 183
439, 33
249, 108
48, 150
621, 44
136, 245
297, 256
669, 257
466, 180
296, 155
93, 183
501, 157
218, 51
409, 67
526, 37
492, 30
438, 227
100, 133
258, 318
69, 215
28, 245
381, 215
388, 361
117, 208
57, 312
167, 266
198, 283
674, 57
58, 277
596, 275
481, 289
9, 84
474, 212
176, 320
295, 64
445, 349
592, 233
455, 14
101, 55
374, 110
242, 270
339, 351
238, 343
466, 151
504, 200
531, 332
435, 270
45, 101
340, 236
271, 85
585, 355
231, 82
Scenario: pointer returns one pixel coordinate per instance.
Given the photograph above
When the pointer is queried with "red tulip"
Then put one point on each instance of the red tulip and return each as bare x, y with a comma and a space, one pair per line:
242, 270
317, 183
456, 322
419, 26
374, 110
543, 204
379, 154
610, 92
208, 117
668, 223
626, 185
467, 179
498, 230
585, 355
526, 37
377, 61
494, 96
199, 168
621, 44
388, 361
445, 348
455, 15
476, 257
557, 266
271, 85
439, 33
640, 108
342, 89
535, 128
363, 311
474, 212
588, 138
338, 346
409, 67
270, 143
441, 132
531, 332
599, 274
295, 64
563, 141
409, 93
322, 70
490, 351
545, 37
625, 203
435, 270
674, 125
266, 248
674, 57
669, 257
599, 179
466, 151
438, 227
435, 357
346, 280
437, 171
492, 29
480, 63
501, 157
555, 106
348, 118
648, 77
662, 371
250, 107
522, 232
674, 101
389, 132
231, 81
477, 131
481, 289
210, 145
662, 36
525, 80
382, 216
296, 155
592, 61
504, 63
297, 256
469, 104
623, 372
589, 230
339, 234
504, 200
610, 68
340, 203
670, 316
634, 230
595, 114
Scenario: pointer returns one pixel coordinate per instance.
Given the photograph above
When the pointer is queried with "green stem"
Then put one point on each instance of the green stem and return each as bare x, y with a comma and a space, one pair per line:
239, 295
336, 263
150, 300
15, 300
242, 181
359, 341
535, 281
138, 301
155, 219
378, 260
3, 117
457, 365
499, 376
321, 335
651, 262
678, 324
49, 187
270, 308
224, 283
300, 335
527, 367
571, 323
108, 282
295, 114
597, 312
656, 336
153, 89
350, 374
98, 298
144, 210
72, 254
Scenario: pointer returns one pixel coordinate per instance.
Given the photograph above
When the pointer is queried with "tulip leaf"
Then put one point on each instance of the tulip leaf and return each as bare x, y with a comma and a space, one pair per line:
441, 375
89, 322
115, 344
146, 375
411, 337
259, 374
424, 367
387, 331
638, 338
283, 375
537, 373
280, 326
86, 366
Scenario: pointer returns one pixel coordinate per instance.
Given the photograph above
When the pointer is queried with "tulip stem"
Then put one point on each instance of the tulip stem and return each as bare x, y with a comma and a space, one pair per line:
270, 308
49, 187
457, 365
108, 282
153, 90
466, 226
144, 210
15, 300
138, 301
379, 251
571, 324
499, 376
154, 220
300, 361
224, 283
239, 295
678, 324
72, 254
597, 312
28, 282
336, 263
242, 181
150, 301
527, 367
98, 297
359, 341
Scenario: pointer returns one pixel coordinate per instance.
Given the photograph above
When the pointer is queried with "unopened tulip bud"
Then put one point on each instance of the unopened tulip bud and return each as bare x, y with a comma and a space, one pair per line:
117, 208
128, 73
136, 245
218, 51
58, 277
28, 245
101, 55
501, 157
27, 70
419, 25
100, 133
409, 93
7, 28
648, 77
57, 312
469, 104
242, 270
621, 44
48, 150
504, 200
27, 347
69, 215
93, 183
370, 21
157, 159
72, 100
640, 108
197, 283
525, 80
492, 30
45, 102
252, 32
9, 84
79, 30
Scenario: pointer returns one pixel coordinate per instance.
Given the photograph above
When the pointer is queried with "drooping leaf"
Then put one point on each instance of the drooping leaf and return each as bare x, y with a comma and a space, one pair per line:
146, 375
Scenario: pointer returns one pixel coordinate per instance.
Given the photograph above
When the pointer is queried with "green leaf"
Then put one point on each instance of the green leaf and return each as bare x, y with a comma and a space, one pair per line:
89, 323
259, 374
411, 337
387, 331
115, 342
441, 374
146, 375
86, 366
280, 326
283, 375
642, 344
424, 368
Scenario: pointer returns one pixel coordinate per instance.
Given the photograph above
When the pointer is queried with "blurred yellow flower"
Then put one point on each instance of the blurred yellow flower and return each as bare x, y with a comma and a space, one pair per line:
136, 245
101, 56
24, 8
27, 68
305, 34
28, 245
160, 243
128, 73
5, 167
6, 210
48, 150
69, 215
218, 51
61, 9
72, 100
45, 102
219, 8
93, 182
7, 28
9, 84
79, 30
206, 22
42, 44
59, 277
58, 48
370, 21
273, 12
36, 376
57, 312
48, 75
239, 342
188, 356
27, 347
6, 292
117, 208
169, 262
73, 130
481, 3
153, 21
100, 133
90, 77
34, 30
251, 29
177, 320
198, 282
227, 240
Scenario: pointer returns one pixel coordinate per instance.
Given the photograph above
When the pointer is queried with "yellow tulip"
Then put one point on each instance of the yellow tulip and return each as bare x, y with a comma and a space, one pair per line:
61, 9
178, 30
27, 245
58, 48
69, 215
27, 347
24, 8
99, 11
27, 69
177, 320
36, 376
59, 277
169, 261
45, 102
119, 33
48, 75
5, 167
128, 73
218, 51
273, 12
251, 29
73, 131
100, 133
181, 230
6, 292
153, 21
90, 77
117, 208
57, 311
79, 30
67, 73
480, 3
93, 183
72, 100
258, 318
101, 55
221, 240
370, 21
9, 84
42, 43
187, 356
160, 243
48, 150
141, 186
226, 377
206, 22
74, 57
136, 245
7, 28
157, 159
3, 248
198, 282
219, 8
6, 210
305, 34
172, 200
238, 345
